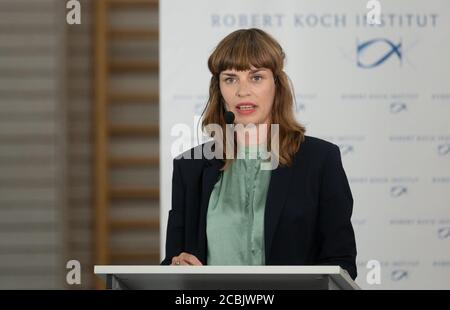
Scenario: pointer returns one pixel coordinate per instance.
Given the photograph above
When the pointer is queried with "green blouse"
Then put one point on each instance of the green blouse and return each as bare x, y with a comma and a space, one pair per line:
235, 218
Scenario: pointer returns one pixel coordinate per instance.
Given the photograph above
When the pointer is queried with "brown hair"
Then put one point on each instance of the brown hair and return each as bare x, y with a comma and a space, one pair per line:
240, 50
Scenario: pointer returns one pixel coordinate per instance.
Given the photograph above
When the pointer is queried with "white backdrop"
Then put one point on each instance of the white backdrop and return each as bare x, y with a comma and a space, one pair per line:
382, 93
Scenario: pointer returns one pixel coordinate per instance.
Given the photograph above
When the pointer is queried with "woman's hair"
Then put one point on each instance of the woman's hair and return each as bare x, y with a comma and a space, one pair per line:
241, 50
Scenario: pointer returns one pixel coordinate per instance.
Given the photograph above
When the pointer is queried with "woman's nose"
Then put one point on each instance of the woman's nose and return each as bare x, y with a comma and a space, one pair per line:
242, 90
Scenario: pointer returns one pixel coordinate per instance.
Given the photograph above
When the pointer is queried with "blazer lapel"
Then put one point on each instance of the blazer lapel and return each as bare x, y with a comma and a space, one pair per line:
209, 179
280, 180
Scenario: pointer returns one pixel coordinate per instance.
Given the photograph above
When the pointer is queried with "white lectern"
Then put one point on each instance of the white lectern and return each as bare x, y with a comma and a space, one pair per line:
226, 277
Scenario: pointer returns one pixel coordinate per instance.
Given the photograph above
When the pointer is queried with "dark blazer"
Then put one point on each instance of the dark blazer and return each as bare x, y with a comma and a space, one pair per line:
307, 215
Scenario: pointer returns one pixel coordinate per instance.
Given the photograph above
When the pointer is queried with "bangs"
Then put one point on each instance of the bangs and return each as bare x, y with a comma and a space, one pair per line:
245, 51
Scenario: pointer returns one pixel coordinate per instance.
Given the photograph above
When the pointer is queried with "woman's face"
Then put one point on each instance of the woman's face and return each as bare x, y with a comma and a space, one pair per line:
248, 94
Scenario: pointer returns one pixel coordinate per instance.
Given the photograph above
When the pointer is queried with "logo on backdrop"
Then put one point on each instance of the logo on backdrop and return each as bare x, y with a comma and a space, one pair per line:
397, 107
368, 53
346, 149
399, 274
443, 233
398, 190
443, 149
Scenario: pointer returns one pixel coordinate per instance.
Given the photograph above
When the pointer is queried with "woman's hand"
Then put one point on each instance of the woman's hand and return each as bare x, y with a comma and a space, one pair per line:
185, 259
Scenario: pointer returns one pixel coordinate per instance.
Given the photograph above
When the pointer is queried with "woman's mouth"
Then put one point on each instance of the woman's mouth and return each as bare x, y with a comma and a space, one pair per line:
245, 108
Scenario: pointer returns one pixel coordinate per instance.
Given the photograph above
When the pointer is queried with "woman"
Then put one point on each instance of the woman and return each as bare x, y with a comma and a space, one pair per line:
230, 211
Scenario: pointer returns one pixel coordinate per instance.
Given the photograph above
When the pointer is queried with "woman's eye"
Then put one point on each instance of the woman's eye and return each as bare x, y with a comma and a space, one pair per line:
228, 80
257, 77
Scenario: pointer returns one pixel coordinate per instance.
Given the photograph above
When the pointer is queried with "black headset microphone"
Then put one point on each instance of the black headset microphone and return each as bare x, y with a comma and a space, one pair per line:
229, 117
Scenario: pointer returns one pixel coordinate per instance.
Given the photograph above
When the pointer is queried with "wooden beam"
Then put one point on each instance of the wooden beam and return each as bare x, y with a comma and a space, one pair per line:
133, 97
134, 130
135, 224
133, 3
133, 161
134, 66
102, 255
124, 256
133, 34
135, 193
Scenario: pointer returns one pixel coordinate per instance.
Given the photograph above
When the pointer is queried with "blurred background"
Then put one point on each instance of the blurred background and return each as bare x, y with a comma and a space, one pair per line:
79, 176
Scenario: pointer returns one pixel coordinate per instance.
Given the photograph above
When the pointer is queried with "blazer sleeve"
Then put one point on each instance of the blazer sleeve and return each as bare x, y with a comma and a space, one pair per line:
337, 244
175, 223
